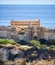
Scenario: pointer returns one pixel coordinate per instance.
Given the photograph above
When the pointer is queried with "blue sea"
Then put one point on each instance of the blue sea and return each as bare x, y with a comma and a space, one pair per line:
44, 13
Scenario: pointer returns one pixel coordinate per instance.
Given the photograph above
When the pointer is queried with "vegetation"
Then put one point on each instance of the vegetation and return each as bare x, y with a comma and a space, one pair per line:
51, 42
45, 47
8, 41
35, 43
43, 41
52, 47
42, 46
37, 50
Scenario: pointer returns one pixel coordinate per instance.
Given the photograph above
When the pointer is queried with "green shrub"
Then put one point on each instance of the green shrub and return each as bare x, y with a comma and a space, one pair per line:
44, 47
17, 44
52, 47
2, 41
7, 41
10, 41
35, 43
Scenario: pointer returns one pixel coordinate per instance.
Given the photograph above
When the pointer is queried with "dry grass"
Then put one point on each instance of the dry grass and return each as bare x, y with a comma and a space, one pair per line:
23, 62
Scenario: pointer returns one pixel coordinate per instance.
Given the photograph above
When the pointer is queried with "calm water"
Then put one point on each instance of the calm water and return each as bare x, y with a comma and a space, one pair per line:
45, 13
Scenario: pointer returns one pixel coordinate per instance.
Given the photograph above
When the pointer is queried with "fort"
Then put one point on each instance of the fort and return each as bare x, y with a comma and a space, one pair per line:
26, 30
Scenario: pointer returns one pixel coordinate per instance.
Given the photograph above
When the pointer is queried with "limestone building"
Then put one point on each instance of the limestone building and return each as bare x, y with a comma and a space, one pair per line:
25, 23
24, 26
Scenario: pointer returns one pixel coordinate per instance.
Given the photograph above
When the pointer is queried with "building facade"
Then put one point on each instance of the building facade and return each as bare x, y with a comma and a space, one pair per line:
47, 33
50, 33
29, 27
25, 24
